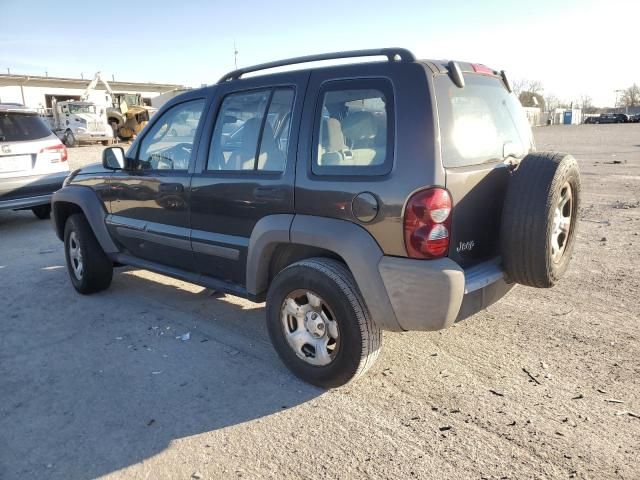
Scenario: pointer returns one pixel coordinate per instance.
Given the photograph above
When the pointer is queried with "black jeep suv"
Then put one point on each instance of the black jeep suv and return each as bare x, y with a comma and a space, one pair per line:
389, 195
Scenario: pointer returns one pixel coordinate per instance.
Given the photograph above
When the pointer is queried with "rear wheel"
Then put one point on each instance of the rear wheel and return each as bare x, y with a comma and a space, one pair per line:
319, 324
42, 211
539, 219
89, 267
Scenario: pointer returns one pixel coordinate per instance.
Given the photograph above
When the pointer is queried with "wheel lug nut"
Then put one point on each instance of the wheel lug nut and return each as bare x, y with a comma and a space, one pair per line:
314, 316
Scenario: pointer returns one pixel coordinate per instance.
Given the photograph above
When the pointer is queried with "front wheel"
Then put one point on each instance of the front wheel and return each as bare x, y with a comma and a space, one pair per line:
69, 139
89, 267
319, 325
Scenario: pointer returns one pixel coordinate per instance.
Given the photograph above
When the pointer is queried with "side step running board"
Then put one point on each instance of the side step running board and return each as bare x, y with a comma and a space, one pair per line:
195, 278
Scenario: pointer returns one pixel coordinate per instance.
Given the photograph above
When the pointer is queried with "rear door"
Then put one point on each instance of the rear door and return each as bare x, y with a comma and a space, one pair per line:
484, 131
245, 169
150, 200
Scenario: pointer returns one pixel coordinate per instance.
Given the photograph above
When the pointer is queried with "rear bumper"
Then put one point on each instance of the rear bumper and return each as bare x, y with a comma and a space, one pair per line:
433, 294
31, 191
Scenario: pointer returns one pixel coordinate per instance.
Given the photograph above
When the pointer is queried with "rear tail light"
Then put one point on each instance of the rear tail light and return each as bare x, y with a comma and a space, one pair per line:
59, 148
427, 223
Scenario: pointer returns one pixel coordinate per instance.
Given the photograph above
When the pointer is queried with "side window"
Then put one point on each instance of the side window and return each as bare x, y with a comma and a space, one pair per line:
169, 143
242, 123
354, 129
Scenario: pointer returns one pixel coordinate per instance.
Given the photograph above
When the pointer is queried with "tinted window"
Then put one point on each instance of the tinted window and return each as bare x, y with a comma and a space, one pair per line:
169, 143
17, 127
241, 124
480, 122
354, 134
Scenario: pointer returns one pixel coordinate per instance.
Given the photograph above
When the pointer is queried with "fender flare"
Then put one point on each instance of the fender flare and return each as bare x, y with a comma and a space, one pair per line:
350, 241
93, 208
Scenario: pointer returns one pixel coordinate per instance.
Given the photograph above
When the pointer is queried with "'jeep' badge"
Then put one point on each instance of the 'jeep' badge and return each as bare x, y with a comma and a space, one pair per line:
6, 149
466, 246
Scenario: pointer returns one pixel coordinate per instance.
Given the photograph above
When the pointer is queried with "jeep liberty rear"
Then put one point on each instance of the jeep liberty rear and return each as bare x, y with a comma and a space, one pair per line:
397, 195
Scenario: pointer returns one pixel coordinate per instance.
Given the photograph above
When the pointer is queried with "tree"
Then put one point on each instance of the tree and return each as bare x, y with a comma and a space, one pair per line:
523, 85
630, 97
586, 104
551, 102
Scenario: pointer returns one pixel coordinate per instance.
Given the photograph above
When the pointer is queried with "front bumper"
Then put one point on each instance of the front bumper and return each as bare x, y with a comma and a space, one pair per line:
93, 137
31, 191
433, 294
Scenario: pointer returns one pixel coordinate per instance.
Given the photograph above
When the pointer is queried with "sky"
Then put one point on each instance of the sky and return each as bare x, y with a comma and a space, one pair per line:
574, 47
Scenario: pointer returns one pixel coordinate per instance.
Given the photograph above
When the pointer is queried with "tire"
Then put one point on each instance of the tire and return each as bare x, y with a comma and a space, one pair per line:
96, 268
358, 340
539, 219
69, 139
43, 212
106, 143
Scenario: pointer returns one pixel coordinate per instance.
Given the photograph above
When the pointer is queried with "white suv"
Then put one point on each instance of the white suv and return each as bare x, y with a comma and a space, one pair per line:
33, 161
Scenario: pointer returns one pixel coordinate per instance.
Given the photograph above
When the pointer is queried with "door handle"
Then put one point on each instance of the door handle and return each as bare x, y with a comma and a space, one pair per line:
171, 188
269, 193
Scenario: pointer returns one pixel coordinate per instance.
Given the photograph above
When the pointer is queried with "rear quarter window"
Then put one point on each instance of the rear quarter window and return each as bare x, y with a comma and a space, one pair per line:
353, 133
480, 121
18, 127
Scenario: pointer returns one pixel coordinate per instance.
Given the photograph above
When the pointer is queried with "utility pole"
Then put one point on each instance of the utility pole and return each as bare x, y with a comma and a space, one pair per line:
617, 92
235, 55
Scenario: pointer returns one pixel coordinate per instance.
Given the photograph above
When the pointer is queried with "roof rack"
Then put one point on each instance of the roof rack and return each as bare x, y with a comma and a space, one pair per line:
393, 54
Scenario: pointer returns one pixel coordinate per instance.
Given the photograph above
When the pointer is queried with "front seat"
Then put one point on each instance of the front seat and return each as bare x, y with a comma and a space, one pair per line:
244, 156
271, 157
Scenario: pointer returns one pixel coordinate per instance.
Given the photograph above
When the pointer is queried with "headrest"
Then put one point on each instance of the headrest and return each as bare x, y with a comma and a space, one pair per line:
360, 126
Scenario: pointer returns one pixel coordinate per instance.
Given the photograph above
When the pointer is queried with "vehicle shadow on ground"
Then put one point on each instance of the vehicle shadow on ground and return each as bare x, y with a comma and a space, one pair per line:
89, 386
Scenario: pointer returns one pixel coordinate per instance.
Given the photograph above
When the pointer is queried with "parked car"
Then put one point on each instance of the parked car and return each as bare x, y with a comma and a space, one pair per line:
389, 195
33, 161
608, 118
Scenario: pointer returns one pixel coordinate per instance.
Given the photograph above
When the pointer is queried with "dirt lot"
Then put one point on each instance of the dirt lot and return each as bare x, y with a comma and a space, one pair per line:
100, 385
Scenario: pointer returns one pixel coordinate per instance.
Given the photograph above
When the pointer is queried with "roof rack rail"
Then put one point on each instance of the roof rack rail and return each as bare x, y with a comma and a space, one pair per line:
393, 54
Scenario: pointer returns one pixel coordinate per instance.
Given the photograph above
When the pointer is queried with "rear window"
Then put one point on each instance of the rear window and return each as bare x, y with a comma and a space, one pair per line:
481, 122
18, 127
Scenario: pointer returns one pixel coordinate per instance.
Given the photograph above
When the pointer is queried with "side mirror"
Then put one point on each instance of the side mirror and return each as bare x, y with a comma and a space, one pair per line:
113, 158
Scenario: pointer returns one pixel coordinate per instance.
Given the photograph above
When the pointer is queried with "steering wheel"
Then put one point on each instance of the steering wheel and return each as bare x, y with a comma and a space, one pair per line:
176, 157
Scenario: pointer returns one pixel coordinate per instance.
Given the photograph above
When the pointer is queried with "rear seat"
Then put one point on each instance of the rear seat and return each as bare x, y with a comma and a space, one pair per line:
354, 141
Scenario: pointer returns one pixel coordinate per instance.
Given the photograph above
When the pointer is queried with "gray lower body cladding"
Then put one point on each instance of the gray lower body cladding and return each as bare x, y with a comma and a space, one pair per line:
87, 199
433, 294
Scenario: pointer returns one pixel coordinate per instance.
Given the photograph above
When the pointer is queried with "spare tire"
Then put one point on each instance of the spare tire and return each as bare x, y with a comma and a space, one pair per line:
539, 219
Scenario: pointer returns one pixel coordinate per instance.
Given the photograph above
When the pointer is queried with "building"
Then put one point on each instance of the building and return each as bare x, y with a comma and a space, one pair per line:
534, 116
38, 92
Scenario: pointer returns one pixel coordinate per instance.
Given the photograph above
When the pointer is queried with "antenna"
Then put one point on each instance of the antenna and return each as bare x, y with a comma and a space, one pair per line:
235, 55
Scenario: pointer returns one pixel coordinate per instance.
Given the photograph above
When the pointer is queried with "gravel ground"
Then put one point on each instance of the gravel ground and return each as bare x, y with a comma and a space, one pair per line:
538, 386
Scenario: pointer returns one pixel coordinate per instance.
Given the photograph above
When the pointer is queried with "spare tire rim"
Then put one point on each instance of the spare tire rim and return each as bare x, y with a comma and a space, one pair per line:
561, 223
75, 255
310, 327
